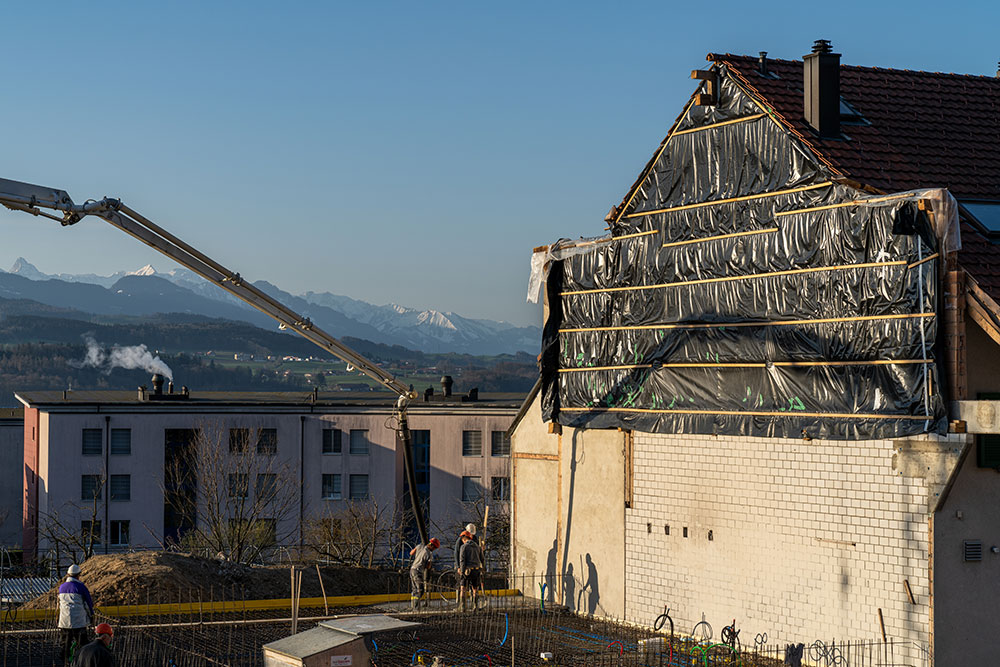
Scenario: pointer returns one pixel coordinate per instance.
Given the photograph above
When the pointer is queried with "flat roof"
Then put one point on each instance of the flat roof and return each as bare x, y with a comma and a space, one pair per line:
284, 400
310, 642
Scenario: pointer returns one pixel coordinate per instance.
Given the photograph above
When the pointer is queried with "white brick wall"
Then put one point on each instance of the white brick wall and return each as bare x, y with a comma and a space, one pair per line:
783, 514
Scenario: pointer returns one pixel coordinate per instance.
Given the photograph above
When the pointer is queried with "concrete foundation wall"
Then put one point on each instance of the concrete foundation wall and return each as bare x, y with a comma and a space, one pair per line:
569, 516
964, 590
809, 539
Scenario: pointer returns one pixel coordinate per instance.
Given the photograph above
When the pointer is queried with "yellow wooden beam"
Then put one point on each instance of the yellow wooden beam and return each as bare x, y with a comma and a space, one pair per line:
729, 279
730, 200
748, 413
770, 323
715, 125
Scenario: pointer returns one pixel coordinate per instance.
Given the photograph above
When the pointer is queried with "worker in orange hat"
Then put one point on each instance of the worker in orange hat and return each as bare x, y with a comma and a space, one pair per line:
422, 561
97, 653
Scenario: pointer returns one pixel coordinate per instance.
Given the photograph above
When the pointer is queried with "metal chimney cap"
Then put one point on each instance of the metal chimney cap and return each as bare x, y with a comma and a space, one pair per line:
822, 46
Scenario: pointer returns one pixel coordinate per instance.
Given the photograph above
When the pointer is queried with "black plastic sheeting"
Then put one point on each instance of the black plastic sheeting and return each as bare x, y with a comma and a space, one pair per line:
819, 323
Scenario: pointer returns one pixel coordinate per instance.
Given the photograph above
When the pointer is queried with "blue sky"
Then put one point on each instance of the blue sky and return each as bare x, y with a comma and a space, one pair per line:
393, 152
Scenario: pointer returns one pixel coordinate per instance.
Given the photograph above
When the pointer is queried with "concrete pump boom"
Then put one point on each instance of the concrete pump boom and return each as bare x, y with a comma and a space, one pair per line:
29, 198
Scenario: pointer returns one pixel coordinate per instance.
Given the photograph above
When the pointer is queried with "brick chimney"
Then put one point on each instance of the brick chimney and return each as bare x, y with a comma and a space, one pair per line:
821, 82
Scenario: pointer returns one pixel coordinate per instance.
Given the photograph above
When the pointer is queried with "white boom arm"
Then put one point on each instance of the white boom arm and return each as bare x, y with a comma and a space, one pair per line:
29, 198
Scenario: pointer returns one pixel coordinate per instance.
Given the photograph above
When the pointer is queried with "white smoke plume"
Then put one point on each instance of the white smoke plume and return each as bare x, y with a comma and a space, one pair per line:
131, 357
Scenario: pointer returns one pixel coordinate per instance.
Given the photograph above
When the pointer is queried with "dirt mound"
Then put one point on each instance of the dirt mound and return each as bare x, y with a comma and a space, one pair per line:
159, 577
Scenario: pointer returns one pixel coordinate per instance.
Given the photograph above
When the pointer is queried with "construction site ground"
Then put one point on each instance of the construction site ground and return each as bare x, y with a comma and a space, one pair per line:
159, 577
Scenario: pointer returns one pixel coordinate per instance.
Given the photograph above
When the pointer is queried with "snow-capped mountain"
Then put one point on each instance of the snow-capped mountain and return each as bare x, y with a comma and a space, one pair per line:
427, 330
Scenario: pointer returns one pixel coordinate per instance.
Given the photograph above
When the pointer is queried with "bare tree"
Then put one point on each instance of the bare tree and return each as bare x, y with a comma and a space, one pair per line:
232, 493
77, 527
351, 531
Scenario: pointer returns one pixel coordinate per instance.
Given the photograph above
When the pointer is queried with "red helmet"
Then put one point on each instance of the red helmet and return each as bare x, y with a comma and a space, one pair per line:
434, 542
104, 629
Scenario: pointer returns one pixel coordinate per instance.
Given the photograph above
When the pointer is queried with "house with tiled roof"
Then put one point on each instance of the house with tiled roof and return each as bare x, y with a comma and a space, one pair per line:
768, 391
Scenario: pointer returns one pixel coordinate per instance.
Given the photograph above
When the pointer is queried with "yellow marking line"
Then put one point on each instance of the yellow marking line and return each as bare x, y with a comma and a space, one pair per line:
124, 611
752, 276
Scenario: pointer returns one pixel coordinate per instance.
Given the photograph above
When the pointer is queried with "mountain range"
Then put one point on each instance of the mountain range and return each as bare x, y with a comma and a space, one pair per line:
146, 292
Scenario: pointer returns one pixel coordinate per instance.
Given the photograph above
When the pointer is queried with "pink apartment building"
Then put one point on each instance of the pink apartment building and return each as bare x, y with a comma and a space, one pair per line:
332, 447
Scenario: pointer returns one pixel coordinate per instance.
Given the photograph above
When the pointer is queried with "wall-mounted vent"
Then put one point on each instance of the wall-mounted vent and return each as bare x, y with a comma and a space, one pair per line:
973, 551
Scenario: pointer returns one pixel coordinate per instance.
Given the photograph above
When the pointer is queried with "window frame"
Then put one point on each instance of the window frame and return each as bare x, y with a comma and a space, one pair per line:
98, 487
237, 482
504, 442
336, 489
350, 486
267, 441
111, 446
478, 481
111, 488
118, 523
100, 442
468, 445
335, 441
367, 442
504, 484
95, 530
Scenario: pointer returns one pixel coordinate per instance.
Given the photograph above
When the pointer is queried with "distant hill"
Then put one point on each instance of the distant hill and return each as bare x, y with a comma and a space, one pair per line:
147, 291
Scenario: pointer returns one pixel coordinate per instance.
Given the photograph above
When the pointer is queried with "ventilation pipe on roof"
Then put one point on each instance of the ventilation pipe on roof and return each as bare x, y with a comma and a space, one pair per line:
762, 63
821, 81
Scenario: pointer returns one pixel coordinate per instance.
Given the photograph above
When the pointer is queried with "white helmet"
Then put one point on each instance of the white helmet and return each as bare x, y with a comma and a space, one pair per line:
471, 528
73, 570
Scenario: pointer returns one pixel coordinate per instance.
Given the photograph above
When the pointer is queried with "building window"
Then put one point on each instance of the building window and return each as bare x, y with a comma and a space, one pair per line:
92, 442
121, 487
266, 530
238, 440
239, 485
90, 487
121, 441
332, 441
267, 441
120, 534
421, 440
358, 487
267, 486
472, 489
331, 487
359, 441
472, 443
499, 444
91, 530
501, 488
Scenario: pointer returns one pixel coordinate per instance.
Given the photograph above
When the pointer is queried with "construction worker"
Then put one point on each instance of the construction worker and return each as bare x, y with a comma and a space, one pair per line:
470, 563
422, 561
96, 653
76, 608
471, 529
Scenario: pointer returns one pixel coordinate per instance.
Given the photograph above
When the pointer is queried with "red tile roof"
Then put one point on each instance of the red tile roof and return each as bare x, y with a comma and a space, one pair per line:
927, 129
